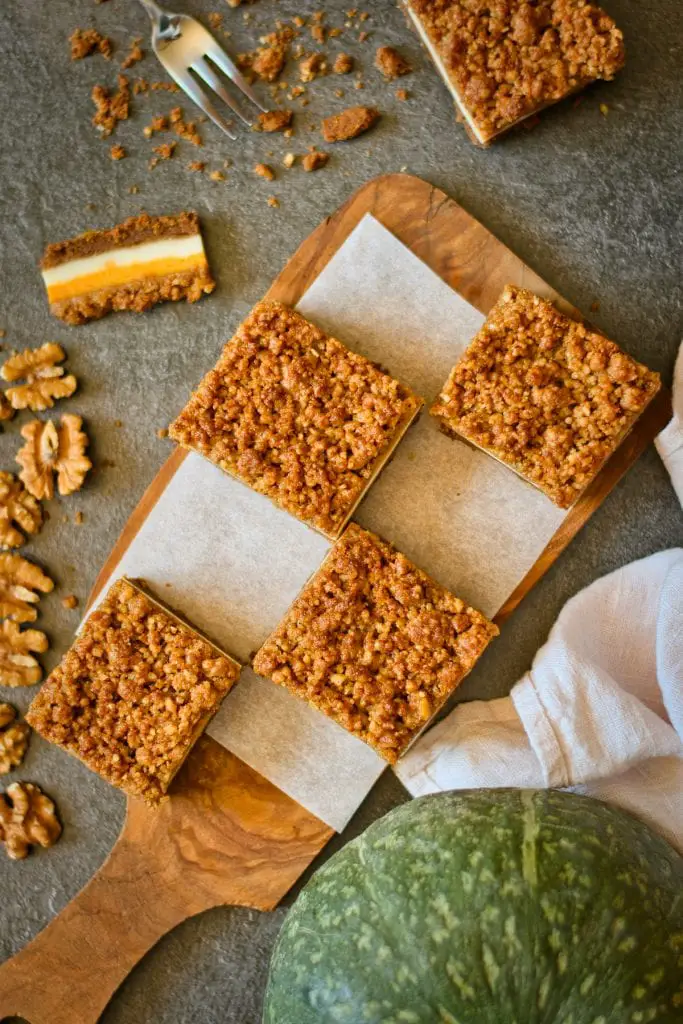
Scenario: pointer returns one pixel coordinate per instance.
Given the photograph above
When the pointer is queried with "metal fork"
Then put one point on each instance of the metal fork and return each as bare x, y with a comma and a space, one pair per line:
184, 46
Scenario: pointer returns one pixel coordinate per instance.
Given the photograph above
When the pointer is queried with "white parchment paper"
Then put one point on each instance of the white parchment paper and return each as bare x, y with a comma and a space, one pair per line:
232, 562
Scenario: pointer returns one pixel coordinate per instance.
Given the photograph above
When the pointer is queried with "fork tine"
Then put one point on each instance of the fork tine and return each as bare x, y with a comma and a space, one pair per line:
188, 85
219, 57
205, 72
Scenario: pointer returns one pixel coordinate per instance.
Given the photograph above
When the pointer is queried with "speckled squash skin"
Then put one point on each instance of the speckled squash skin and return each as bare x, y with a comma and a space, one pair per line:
488, 907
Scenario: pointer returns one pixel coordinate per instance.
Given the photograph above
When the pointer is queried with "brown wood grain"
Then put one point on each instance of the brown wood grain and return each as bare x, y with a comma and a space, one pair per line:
226, 835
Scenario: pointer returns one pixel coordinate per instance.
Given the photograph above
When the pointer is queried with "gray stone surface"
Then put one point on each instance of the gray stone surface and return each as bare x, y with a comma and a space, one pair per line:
592, 202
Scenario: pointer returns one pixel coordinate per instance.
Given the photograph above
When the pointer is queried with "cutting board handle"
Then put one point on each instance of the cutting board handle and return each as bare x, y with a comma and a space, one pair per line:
70, 971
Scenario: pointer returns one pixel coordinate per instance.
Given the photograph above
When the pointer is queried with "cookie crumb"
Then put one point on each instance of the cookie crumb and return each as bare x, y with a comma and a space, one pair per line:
343, 64
162, 432
264, 171
134, 55
79, 519
314, 160
273, 201
117, 152
391, 63
288, 160
216, 176
349, 124
402, 95
196, 165
110, 108
274, 120
70, 601
311, 67
85, 41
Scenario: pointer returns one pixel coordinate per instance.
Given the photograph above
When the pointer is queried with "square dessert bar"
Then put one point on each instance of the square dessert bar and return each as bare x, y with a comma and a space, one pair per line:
295, 415
544, 394
503, 62
143, 261
374, 643
134, 692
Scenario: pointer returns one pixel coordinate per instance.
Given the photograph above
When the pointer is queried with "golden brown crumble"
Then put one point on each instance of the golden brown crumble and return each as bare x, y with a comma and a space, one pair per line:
184, 129
216, 176
19, 581
117, 152
110, 108
196, 165
135, 54
275, 120
27, 818
268, 60
402, 95
45, 380
343, 64
544, 394
349, 123
13, 739
506, 61
163, 152
53, 450
18, 666
264, 171
374, 643
312, 66
70, 601
133, 693
18, 508
314, 160
85, 41
289, 159
296, 415
159, 123
273, 201
391, 63
79, 519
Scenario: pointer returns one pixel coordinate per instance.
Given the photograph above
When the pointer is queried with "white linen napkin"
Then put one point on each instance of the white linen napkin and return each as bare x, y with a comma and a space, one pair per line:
601, 710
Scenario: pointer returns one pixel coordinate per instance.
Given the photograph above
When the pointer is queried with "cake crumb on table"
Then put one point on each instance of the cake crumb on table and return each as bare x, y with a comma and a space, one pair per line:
133, 693
343, 64
273, 201
391, 63
274, 120
544, 394
312, 67
117, 152
374, 643
314, 160
135, 54
110, 108
264, 171
216, 176
85, 41
349, 123
70, 601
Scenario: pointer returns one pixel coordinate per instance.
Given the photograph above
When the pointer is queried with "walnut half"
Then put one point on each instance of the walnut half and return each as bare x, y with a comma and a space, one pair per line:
19, 581
50, 449
18, 508
18, 667
45, 381
27, 818
13, 739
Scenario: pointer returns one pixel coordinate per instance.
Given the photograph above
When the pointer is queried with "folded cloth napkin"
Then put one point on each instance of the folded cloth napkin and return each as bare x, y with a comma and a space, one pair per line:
601, 710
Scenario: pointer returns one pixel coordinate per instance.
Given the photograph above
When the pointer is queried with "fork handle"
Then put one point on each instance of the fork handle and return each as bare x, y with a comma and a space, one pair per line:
155, 12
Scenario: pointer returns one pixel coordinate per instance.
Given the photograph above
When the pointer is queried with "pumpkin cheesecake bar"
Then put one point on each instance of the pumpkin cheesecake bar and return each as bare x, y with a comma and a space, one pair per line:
544, 394
134, 692
143, 261
504, 62
375, 643
297, 416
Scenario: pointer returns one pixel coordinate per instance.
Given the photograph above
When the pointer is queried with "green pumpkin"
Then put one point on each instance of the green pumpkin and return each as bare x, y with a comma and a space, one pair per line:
488, 907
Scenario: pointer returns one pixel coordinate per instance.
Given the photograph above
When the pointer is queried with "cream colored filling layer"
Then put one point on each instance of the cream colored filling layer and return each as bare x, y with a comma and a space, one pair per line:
120, 266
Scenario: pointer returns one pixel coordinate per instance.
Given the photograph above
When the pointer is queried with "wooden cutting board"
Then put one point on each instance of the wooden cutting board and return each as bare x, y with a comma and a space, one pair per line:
227, 835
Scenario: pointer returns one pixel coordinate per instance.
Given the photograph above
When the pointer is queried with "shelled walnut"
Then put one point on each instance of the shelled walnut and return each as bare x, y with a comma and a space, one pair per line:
51, 450
45, 381
19, 581
18, 667
27, 818
18, 508
13, 739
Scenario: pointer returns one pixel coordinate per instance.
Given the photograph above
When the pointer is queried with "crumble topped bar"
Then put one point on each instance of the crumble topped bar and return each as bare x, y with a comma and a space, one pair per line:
374, 643
133, 266
133, 693
544, 394
504, 61
298, 417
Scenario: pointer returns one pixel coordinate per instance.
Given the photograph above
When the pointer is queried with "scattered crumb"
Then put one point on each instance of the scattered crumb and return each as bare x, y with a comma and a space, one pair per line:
79, 519
350, 123
162, 432
118, 423
359, 84
217, 176
311, 67
196, 165
318, 33
264, 171
184, 129
165, 87
163, 152
595, 306
604, 109
402, 94
343, 64
391, 63
134, 55
140, 85
70, 601
289, 159
157, 124
339, 93
109, 109
3, 332
133, 189
85, 41
215, 20
362, 36
273, 201
314, 160
117, 152
275, 120
268, 60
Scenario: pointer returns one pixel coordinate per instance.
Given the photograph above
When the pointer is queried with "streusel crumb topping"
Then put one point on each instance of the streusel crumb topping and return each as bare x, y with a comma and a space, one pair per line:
375, 643
296, 415
507, 59
544, 394
133, 692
